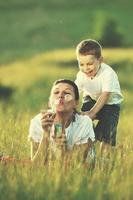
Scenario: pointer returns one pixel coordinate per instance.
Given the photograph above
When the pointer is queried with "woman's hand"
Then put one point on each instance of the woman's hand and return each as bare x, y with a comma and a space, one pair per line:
47, 120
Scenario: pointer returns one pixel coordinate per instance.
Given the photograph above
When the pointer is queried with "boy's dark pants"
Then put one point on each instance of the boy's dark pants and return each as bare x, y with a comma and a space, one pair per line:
108, 117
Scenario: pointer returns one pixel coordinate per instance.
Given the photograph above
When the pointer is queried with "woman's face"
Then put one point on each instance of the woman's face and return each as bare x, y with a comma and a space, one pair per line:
62, 98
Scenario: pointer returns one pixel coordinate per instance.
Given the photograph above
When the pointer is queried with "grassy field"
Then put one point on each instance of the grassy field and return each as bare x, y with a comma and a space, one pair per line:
32, 79
37, 45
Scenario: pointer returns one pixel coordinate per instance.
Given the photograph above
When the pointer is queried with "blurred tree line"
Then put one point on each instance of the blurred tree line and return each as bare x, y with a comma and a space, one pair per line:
110, 34
30, 27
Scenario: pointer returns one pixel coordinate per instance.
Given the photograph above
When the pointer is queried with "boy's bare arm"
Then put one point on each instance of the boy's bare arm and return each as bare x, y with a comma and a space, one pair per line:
102, 100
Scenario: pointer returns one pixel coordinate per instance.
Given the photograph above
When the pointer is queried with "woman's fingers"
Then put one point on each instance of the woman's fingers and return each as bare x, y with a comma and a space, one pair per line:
46, 121
47, 113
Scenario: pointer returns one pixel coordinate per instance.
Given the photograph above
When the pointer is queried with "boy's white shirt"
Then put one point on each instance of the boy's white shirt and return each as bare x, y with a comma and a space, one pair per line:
78, 132
106, 80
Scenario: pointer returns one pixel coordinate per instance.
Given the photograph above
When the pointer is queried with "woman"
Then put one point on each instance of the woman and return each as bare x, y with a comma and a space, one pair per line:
63, 128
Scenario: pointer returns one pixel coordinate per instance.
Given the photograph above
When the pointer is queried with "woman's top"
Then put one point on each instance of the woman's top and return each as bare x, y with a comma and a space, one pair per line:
78, 132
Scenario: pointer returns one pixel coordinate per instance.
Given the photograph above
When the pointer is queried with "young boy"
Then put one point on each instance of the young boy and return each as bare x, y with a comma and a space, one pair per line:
101, 92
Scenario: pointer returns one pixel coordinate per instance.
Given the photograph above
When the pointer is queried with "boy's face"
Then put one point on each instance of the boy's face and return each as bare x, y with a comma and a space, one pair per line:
89, 64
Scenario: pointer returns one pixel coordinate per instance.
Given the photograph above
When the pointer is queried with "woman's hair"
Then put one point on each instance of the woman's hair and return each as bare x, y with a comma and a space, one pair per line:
75, 88
89, 47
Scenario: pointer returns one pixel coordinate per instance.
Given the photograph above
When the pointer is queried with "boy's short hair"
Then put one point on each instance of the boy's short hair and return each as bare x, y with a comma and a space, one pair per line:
89, 47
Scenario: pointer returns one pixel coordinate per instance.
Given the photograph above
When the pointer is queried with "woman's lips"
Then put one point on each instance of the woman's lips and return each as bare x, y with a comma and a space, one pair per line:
61, 101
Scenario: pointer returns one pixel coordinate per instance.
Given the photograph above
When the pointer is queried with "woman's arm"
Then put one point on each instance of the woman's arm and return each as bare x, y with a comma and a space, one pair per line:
86, 148
39, 151
82, 150
33, 148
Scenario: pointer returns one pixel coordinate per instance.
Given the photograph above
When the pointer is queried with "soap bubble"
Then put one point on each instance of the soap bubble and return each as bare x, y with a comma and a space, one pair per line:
68, 97
56, 101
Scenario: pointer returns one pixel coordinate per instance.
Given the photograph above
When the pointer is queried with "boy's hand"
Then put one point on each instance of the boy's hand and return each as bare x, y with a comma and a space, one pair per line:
90, 114
102, 100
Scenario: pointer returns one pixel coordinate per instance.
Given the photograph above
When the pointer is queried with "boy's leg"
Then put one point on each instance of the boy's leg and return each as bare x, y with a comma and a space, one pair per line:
105, 149
106, 128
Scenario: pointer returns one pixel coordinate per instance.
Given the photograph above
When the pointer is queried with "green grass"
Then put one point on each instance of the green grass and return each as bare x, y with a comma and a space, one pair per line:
31, 32
32, 79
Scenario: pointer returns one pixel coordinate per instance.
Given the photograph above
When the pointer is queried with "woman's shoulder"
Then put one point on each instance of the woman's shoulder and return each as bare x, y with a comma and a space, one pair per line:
36, 118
